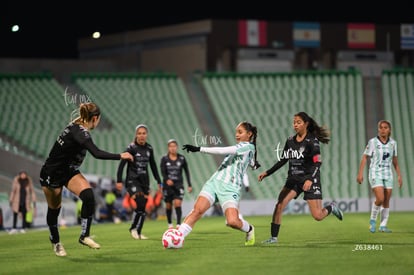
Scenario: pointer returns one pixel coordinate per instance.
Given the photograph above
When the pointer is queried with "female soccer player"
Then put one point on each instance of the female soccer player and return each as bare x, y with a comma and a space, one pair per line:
383, 153
302, 151
172, 166
61, 168
137, 180
225, 184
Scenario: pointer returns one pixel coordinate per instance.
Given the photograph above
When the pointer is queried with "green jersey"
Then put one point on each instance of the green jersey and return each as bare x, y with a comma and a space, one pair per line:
381, 155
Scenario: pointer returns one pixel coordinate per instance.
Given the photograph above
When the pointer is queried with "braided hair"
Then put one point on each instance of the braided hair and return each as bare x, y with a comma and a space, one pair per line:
253, 129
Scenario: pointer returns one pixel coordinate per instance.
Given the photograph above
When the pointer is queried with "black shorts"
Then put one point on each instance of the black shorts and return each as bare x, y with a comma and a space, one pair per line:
57, 178
133, 187
175, 192
296, 184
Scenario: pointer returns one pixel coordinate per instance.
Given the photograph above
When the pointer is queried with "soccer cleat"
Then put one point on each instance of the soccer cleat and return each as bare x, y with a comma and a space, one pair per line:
250, 238
271, 240
372, 226
88, 241
143, 237
134, 234
384, 229
336, 211
22, 231
170, 226
13, 231
59, 249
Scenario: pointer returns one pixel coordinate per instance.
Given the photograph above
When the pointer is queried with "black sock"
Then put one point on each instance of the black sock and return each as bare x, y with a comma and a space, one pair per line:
274, 229
52, 222
329, 208
169, 214
178, 212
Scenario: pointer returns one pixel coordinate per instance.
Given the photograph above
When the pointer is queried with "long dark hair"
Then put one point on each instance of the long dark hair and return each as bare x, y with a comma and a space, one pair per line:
321, 132
253, 129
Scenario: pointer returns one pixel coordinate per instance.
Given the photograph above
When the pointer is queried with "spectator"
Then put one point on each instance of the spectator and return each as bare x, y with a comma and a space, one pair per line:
22, 199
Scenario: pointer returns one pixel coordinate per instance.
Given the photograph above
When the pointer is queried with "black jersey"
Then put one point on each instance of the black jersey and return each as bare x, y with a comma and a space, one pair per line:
304, 158
69, 150
173, 169
137, 170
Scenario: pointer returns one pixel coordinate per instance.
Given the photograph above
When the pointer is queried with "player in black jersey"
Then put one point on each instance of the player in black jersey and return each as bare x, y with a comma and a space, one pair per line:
137, 180
302, 151
61, 168
172, 166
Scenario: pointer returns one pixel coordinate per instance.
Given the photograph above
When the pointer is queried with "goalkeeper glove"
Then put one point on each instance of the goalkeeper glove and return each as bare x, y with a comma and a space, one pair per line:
191, 148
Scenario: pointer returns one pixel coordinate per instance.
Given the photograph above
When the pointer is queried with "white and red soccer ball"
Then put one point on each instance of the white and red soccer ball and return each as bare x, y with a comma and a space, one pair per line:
172, 238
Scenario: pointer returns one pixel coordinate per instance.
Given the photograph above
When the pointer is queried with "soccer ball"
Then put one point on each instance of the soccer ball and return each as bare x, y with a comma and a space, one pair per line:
172, 238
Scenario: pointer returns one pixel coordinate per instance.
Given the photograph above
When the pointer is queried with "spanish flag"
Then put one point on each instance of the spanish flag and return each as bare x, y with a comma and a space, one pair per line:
361, 36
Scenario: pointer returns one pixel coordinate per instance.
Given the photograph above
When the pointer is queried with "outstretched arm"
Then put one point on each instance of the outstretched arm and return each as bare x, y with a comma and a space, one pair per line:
98, 153
229, 150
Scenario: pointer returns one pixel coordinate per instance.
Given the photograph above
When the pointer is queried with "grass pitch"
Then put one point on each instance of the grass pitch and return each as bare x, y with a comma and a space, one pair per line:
305, 247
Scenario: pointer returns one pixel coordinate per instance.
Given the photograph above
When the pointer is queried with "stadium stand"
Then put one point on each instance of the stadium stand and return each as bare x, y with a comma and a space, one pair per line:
270, 101
158, 100
398, 93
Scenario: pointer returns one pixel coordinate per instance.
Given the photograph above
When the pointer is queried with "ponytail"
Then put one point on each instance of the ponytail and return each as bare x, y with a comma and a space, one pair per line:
85, 112
253, 129
321, 132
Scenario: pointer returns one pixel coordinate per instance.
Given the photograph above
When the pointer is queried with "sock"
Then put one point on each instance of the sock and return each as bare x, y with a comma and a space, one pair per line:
140, 222
274, 230
85, 227
169, 214
178, 213
246, 227
385, 213
52, 222
374, 211
329, 209
87, 210
185, 229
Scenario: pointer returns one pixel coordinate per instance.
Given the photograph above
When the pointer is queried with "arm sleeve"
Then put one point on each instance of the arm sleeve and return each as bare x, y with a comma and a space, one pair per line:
229, 150
278, 164
120, 170
98, 153
369, 148
187, 173
163, 169
316, 160
276, 167
154, 168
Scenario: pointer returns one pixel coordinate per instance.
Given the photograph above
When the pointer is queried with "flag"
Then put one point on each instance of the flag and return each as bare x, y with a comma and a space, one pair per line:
306, 35
407, 36
361, 36
252, 33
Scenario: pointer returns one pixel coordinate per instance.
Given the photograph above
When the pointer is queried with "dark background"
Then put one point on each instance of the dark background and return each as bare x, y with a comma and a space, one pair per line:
51, 29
